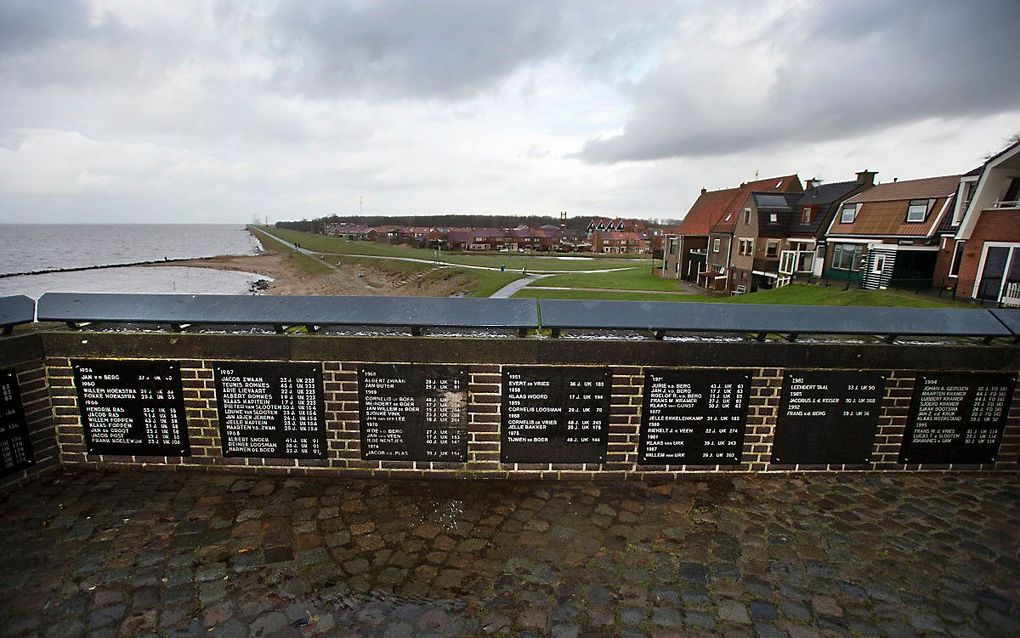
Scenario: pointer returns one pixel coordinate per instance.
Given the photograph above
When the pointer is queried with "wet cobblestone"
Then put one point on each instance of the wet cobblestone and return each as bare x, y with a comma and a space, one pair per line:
141, 554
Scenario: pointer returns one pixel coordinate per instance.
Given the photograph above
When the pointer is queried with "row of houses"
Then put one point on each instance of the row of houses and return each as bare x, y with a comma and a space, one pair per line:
603, 236
957, 231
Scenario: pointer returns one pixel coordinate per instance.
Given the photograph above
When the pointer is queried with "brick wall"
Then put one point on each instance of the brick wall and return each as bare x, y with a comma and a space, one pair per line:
24, 355
340, 383
993, 225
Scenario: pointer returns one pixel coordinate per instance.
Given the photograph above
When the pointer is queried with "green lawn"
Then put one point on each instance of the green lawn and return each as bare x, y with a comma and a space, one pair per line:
788, 295
640, 278
512, 261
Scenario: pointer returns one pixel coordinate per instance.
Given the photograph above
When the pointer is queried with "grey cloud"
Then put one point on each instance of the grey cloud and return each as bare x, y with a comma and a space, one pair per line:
408, 48
849, 68
29, 24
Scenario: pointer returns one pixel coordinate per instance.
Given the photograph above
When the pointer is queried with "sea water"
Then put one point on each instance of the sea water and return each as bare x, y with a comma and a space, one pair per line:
32, 248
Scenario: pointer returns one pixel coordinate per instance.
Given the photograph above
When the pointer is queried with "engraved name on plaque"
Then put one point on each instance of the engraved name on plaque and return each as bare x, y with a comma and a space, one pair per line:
827, 417
131, 407
693, 417
555, 415
413, 412
957, 417
15, 446
271, 410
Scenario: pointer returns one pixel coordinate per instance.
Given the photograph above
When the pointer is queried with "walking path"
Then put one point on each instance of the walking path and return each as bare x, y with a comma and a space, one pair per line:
508, 290
194, 554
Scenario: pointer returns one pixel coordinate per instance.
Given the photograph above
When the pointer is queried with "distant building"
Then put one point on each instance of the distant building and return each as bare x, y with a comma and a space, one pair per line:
603, 224
619, 242
351, 231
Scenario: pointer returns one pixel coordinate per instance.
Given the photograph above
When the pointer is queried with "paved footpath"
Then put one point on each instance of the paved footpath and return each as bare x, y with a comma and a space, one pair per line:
179, 554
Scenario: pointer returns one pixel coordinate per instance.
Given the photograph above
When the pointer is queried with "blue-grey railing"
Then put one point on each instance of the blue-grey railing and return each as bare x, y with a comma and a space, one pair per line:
281, 312
761, 320
15, 311
522, 315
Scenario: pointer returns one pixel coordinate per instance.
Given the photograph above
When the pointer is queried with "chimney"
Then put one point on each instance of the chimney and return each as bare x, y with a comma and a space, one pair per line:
812, 183
867, 177
895, 179
703, 190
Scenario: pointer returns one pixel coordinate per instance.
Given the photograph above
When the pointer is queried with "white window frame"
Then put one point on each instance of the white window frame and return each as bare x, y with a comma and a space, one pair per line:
848, 208
747, 216
773, 218
981, 265
924, 214
715, 244
952, 262
805, 215
878, 265
774, 244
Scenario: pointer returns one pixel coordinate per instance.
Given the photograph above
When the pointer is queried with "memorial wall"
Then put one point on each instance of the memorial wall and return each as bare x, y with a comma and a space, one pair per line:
512, 408
27, 440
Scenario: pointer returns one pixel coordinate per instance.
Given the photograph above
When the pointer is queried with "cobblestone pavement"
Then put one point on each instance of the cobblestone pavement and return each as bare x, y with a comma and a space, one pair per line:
130, 554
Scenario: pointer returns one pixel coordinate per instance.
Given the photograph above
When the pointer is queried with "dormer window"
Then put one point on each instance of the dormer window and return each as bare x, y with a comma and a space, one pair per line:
773, 218
847, 215
917, 210
805, 217
1011, 195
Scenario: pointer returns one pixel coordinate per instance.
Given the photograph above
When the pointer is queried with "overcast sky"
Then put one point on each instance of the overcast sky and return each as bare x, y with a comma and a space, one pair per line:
215, 111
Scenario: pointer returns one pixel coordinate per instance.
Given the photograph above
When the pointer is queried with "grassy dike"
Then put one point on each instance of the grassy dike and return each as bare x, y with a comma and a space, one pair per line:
512, 261
477, 283
302, 262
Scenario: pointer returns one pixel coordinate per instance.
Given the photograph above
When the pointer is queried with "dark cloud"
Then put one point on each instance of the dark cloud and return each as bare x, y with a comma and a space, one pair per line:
409, 48
841, 69
29, 24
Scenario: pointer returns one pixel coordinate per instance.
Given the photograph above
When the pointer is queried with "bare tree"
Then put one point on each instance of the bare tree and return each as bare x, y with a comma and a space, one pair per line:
1015, 139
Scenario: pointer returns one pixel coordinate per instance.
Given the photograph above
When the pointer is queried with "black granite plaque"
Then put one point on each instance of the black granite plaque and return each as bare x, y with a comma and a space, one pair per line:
693, 417
131, 407
15, 446
413, 412
271, 410
555, 415
827, 417
957, 417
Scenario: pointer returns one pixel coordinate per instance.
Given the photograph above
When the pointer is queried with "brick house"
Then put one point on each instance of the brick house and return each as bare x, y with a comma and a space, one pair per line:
985, 256
717, 275
887, 234
619, 242
685, 247
777, 235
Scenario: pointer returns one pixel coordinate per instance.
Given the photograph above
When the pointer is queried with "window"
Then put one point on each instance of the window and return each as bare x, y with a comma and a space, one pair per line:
879, 264
746, 247
715, 245
848, 214
773, 217
771, 248
847, 256
747, 216
805, 216
954, 267
1011, 196
917, 210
